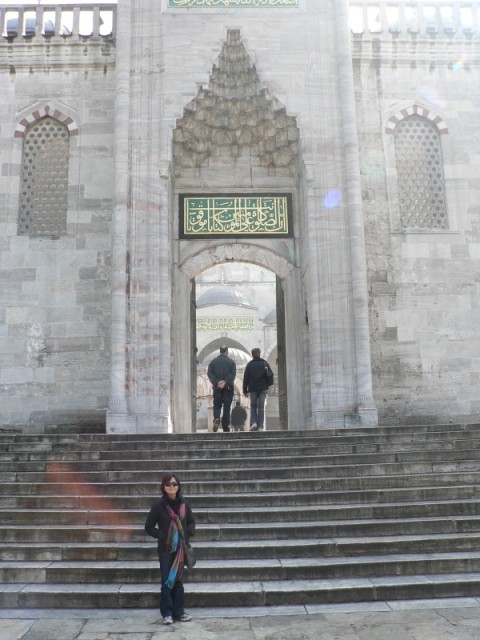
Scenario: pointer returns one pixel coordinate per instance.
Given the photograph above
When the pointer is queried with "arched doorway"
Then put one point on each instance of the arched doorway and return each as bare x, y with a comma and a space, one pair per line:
236, 307
290, 337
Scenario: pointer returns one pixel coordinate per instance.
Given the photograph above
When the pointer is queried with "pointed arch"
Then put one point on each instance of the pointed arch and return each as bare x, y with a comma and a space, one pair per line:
37, 112
215, 345
237, 252
418, 110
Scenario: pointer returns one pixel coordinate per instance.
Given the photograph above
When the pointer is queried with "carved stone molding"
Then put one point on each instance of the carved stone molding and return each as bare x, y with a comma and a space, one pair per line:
237, 252
235, 114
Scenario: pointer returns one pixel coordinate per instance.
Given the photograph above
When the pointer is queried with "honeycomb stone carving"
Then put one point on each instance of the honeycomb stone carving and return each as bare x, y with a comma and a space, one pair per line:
420, 177
44, 182
236, 116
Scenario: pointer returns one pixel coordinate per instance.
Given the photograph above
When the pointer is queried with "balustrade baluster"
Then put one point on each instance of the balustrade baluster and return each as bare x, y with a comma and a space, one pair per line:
96, 22
365, 23
76, 21
48, 20
475, 18
415, 17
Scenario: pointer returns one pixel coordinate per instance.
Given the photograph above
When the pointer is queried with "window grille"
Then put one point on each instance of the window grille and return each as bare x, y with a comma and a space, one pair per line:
420, 177
44, 180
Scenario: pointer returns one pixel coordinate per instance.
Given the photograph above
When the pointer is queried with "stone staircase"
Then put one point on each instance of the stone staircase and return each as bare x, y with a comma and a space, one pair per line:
282, 517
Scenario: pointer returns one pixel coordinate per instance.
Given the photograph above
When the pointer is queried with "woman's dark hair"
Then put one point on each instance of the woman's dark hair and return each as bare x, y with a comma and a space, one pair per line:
168, 477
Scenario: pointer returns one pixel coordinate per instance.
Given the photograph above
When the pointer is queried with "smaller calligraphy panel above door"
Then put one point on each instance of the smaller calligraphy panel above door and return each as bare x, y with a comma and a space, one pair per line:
235, 215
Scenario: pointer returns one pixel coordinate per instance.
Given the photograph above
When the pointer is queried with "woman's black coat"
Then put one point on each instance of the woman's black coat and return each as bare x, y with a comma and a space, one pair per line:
158, 521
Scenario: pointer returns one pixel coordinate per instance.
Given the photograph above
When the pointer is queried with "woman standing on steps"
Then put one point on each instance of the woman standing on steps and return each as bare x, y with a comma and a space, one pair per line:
171, 521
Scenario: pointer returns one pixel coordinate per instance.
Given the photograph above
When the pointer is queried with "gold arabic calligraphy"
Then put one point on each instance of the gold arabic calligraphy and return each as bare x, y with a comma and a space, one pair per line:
225, 324
236, 215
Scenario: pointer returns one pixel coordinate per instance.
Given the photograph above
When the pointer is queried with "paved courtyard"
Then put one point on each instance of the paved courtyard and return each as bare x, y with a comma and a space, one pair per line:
452, 619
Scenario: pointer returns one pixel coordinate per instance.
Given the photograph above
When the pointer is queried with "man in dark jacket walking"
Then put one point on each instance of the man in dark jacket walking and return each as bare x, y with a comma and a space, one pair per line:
221, 373
257, 378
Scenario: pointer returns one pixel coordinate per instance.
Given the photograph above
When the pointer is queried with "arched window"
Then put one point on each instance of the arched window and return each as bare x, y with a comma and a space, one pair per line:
44, 179
420, 176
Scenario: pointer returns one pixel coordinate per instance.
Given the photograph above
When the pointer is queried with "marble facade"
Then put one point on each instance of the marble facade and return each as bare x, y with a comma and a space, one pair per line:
379, 322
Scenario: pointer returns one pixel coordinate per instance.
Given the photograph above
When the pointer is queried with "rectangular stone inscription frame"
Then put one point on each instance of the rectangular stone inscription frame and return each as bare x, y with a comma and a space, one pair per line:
235, 215
231, 4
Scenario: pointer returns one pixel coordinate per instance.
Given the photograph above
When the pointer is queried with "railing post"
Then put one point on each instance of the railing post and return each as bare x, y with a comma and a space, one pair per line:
96, 22
76, 21
475, 21
439, 25
365, 21
402, 21
457, 18
383, 17
58, 20
38, 21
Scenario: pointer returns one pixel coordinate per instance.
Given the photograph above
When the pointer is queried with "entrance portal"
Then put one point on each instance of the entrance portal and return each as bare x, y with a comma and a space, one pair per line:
236, 306
282, 342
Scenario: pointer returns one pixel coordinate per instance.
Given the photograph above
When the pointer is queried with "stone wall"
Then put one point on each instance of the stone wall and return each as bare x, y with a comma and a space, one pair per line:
55, 291
424, 284
423, 291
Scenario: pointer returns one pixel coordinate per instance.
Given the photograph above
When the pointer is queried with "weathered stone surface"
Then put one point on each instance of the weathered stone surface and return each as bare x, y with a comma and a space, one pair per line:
266, 100
457, 618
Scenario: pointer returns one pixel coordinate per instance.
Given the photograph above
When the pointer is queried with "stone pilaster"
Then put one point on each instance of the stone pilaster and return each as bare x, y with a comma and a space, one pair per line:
365, 403
118, 419
151, 259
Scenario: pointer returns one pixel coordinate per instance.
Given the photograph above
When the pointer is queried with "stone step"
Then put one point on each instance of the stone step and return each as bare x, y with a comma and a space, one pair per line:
282, 517
237, 594
230, 448
220, 473
341, 437
249, 486
99, 434
253, 461
296, 530
260, 569
245, 549
254, 514
321, 497
280, 449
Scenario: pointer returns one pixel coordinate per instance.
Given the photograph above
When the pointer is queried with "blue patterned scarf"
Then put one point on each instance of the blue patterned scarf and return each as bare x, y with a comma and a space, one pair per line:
175, 543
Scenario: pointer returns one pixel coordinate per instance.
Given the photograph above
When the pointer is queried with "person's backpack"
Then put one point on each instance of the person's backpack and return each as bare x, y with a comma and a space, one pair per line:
268, 374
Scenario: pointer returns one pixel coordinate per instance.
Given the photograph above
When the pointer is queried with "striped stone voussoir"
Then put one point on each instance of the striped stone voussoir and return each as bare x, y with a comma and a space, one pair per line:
418, 110
42, 112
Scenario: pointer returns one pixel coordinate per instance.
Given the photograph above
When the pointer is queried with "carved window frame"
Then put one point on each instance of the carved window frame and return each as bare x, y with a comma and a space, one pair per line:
450, 181
26, 120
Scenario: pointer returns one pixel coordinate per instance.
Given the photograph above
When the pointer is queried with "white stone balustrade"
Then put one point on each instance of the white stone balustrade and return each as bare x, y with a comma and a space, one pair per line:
46, 21
421, 17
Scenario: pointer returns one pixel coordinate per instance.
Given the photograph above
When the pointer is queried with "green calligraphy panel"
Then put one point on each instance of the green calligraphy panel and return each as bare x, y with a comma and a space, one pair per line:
235, 215
189, 4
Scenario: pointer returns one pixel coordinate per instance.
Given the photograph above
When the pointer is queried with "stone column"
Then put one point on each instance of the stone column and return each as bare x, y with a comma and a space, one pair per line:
118, 419
182, 384
366, 407
150, 227
327, 292
295, 362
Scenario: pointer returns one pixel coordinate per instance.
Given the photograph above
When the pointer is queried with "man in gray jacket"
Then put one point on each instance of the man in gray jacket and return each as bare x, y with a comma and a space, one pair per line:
221, 373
